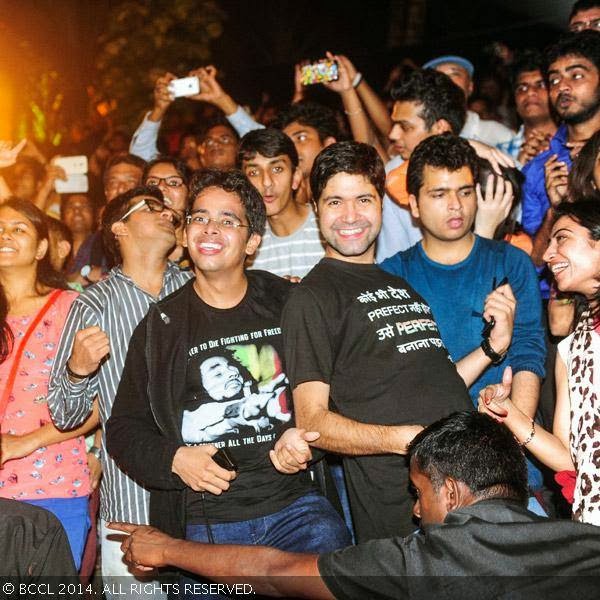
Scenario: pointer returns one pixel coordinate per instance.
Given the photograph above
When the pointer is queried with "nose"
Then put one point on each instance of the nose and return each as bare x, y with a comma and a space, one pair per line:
211, 227
454, 202
266, 180
350, 214
550, 251
394, 134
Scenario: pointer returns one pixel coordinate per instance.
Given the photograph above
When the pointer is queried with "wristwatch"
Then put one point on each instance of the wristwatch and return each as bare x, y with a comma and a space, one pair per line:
97, 452
490, 352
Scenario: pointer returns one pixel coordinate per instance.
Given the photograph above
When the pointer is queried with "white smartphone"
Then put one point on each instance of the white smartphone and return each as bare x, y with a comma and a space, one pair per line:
76, 183
186, 86
73, 165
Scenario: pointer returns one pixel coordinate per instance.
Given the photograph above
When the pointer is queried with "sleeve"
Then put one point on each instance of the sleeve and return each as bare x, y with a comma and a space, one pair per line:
143, 142
242, 122
528, 348
535, 200
133, 439
308, 344
70, 403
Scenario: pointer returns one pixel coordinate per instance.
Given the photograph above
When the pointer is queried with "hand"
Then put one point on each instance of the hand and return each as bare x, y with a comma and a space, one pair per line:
494, 208
53, 172
8, 155
90, 347
299, 89
197, 469
95, 467
501, 304
555, 176
575, 148
344, 82
494, 400
162, 96
292, 452
16, 446
535, 142
144, 548
348, 66
211, 90
493, 155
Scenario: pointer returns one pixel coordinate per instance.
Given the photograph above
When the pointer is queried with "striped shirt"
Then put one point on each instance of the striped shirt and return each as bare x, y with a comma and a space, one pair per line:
295, 254
116, 305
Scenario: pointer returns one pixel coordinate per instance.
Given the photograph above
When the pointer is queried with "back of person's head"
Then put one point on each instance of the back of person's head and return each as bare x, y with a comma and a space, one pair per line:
472, 448
233, 182
581, 181
585, 44
319, 117
61, 242
526, 61
354, 158
179, 165
115, 210
444, 151
269, 143
438, 95
127, 159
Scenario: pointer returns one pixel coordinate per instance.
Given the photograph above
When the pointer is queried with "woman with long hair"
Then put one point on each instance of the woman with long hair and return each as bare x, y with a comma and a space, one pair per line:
40, 464
573, 256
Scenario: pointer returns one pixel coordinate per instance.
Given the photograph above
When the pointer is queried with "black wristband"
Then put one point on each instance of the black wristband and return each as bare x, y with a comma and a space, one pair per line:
72, 373
490, 352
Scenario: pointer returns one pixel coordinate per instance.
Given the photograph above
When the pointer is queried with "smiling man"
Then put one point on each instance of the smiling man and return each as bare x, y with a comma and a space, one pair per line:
205, 372
291, 244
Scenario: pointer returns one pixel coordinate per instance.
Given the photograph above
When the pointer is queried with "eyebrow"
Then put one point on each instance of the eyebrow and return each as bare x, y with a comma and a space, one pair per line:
272, 161
561, 229
448, 189
570, 68
225, 213
337, 197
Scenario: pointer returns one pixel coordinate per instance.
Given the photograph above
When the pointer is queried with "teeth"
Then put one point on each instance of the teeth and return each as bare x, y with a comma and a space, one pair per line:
209, 246
350, 231
559, 267
7, 249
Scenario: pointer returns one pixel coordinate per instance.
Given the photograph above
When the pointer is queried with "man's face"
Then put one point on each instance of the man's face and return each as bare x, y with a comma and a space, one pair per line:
220, 379
349, 212
275, 178
446, 204
431, 505
409, 128
585, 19
531, 97
574, 88
459, 75
213, 246
121, 178
218, 149
78, 214
307, 142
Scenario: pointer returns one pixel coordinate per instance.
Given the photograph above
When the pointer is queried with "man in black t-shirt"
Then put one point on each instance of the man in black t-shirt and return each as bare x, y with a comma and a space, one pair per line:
365, 359
205, 374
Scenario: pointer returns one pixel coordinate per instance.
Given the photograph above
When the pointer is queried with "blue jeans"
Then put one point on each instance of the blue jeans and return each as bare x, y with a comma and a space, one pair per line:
310, 524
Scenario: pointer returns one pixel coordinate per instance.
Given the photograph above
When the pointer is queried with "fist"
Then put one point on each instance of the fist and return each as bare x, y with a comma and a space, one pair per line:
90, 347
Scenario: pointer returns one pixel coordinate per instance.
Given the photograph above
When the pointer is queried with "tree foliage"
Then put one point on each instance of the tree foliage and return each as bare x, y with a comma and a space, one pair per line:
145, 38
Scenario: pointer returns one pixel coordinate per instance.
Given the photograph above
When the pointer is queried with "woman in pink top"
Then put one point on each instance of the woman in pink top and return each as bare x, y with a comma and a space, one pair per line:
40, 464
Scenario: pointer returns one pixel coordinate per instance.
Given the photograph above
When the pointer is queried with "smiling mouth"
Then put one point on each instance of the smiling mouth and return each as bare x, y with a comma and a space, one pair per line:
7, 250
558, 267
210, 247
351, 232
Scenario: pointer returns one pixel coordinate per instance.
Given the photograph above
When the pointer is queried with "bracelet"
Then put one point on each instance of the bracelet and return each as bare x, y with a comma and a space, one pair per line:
491, 353
74, 375
530, 436
353, 112
357, 79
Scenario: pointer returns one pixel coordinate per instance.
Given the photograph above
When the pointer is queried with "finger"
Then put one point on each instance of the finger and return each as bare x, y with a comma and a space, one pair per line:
120, 526
19, 146
479, 194
296, 455
276, 462
311, 436
489, 188
506, 291
499, 188
507, 376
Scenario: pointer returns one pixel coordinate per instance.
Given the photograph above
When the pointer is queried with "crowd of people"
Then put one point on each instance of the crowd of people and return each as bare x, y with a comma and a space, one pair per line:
349, 344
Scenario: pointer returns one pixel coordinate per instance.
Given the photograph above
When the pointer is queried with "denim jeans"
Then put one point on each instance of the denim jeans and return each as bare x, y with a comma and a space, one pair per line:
310, 524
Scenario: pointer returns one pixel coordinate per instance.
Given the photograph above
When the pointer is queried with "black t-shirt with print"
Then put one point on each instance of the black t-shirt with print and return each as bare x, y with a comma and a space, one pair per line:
238, 398
373, 340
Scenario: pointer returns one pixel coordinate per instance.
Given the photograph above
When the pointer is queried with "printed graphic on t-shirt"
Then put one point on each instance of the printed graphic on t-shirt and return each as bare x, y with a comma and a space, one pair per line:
381, 312
241, 393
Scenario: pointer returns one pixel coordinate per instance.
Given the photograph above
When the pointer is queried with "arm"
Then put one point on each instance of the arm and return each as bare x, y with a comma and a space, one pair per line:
561, 314
19, 446
44, 194
540, 239
341, 434
551, 449
271, 572
70, 401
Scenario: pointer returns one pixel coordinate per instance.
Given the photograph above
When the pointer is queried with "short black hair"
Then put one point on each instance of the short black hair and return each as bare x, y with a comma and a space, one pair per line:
128, 159
582, 5
182, 169
320, 117
526, 61
354, 158
438, 95
234, 182
472, 448
114, 212
269, 143
444, 151
585, 43
217, 121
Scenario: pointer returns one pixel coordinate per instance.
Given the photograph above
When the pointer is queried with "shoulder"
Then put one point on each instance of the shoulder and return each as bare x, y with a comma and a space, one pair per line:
396, 264
534, 169
179, 296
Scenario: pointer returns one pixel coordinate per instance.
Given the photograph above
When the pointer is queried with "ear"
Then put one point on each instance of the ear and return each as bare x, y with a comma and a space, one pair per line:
414, 207
119, 229
441, 126
64, 248
253, 243
296, 178
41, 249
184, 237
452, 494
328, 141
471, 88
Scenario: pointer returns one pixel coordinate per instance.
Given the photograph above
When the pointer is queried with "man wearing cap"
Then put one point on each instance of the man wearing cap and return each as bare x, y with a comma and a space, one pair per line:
461, 70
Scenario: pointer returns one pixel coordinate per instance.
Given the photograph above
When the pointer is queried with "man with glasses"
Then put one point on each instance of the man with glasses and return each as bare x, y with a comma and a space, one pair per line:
205, 373
138, 228
585, 14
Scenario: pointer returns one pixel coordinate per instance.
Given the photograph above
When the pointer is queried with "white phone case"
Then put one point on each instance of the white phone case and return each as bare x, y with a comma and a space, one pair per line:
186, 86
73, 165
